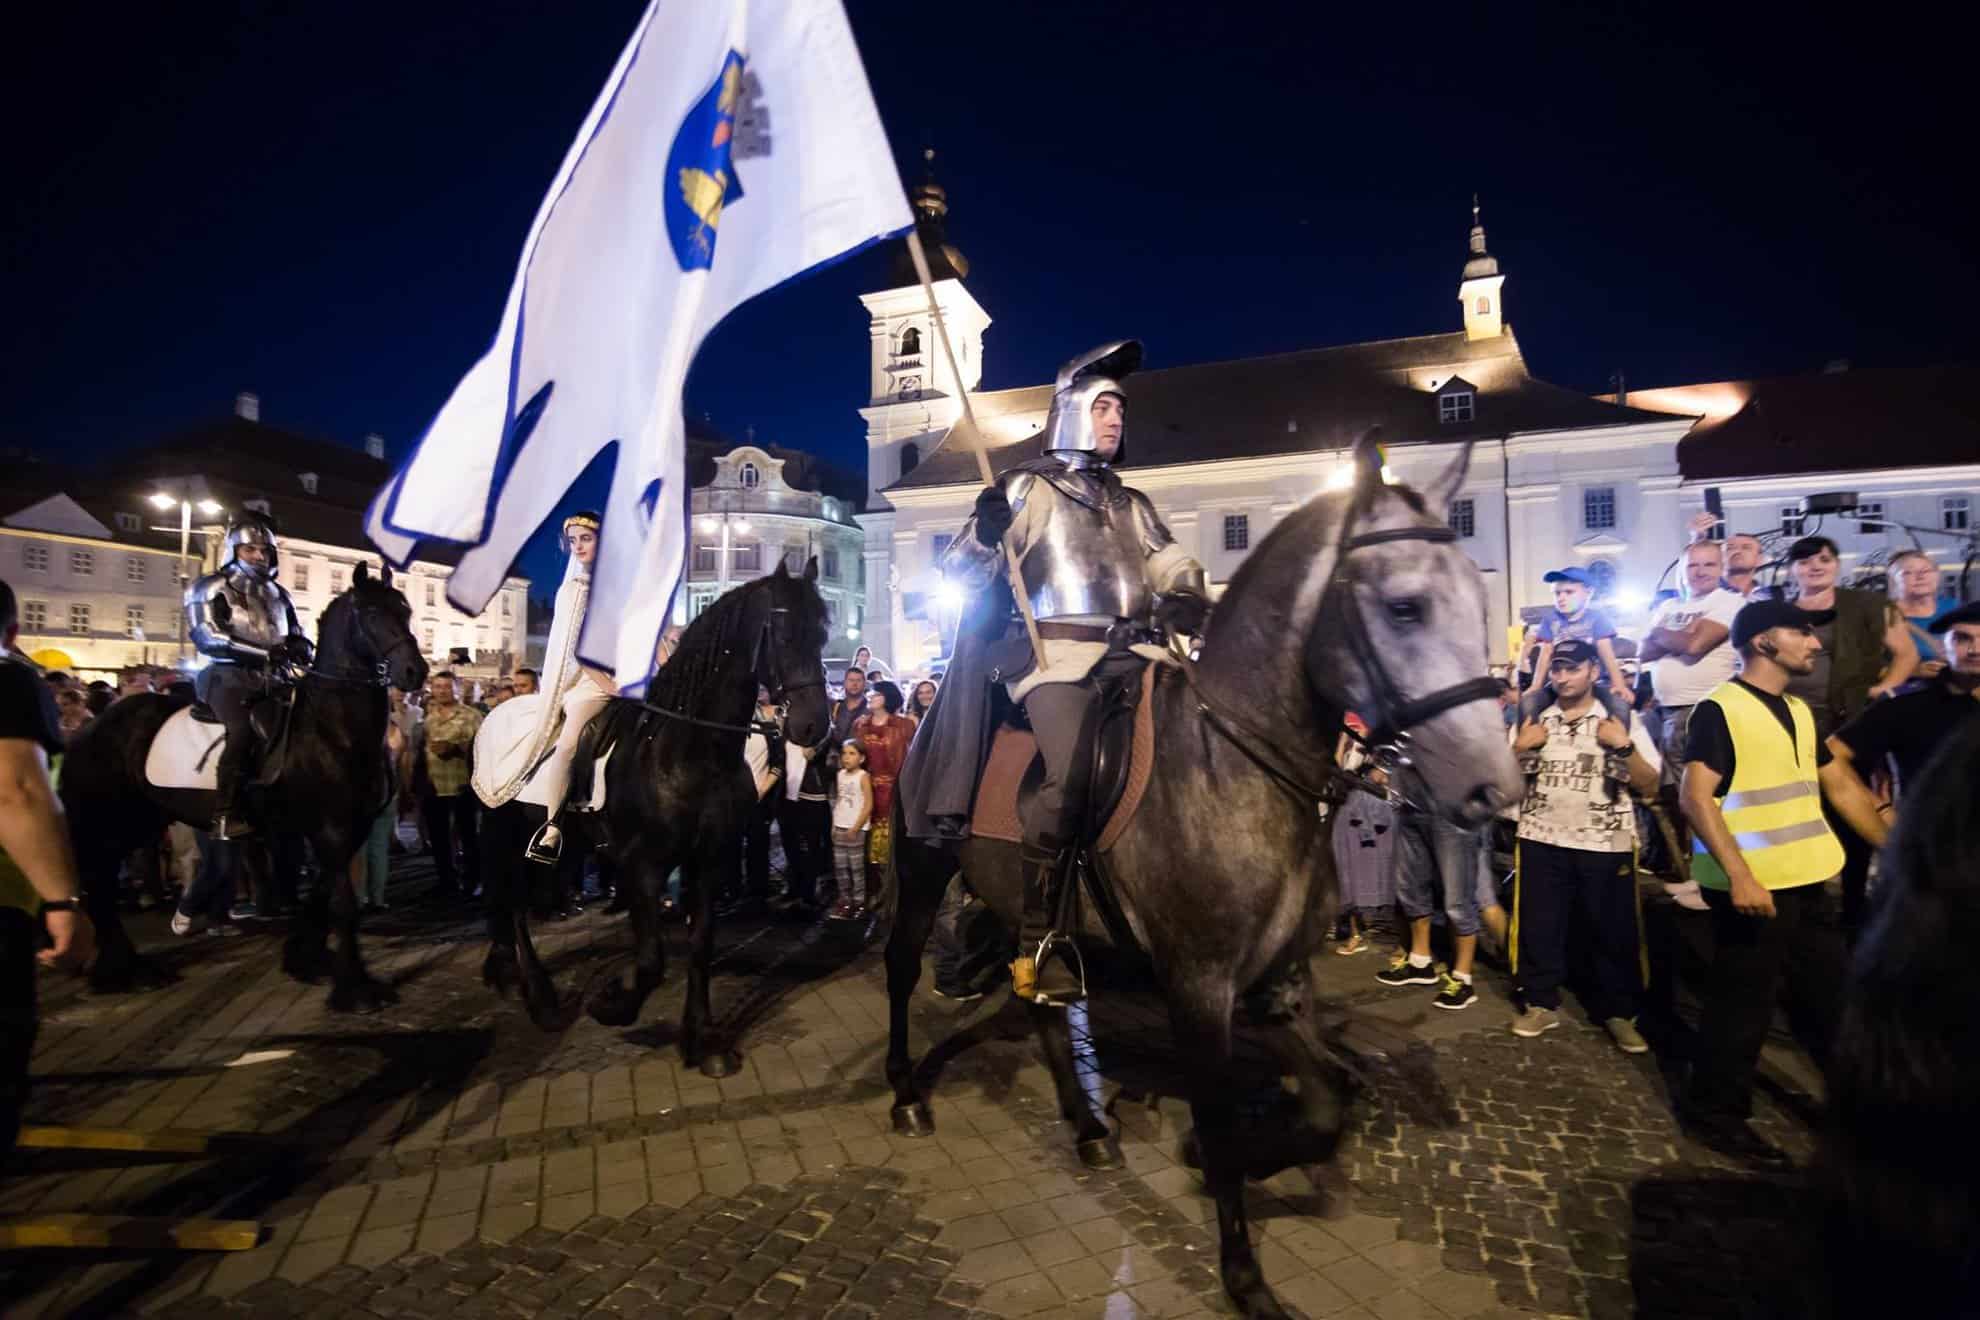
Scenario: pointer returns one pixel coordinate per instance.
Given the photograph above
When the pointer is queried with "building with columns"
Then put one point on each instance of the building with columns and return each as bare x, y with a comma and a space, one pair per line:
1227, 449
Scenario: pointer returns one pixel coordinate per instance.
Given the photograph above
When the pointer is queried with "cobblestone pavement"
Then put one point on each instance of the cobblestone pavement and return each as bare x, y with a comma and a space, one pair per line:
445, 1157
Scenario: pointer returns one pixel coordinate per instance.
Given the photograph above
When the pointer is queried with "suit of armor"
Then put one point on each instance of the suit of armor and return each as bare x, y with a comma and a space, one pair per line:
1097, 567
242, 621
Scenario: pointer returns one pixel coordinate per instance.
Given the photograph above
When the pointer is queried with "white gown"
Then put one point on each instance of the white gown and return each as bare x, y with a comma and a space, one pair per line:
526, 744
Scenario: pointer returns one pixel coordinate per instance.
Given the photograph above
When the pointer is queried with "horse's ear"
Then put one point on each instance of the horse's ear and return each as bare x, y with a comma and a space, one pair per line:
811, 569
385, 575
1368, 464
781, 571
1444, 487
363, 575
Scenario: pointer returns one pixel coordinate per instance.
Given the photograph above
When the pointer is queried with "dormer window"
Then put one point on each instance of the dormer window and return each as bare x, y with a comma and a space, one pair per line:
1455, 405
910, 341
308, 483
129, 522
749, 476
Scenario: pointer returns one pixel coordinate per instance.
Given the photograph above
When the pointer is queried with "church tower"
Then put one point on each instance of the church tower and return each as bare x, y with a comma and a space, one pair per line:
913, 398
1484, 313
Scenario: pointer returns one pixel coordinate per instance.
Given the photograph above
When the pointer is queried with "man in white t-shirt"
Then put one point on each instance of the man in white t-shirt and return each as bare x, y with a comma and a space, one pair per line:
1689, 654
1577, 853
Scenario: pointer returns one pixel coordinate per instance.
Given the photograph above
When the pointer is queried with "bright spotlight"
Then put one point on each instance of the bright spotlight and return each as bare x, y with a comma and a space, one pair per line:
209, 507
162, 501
742, 527
852, 634
949, 596
1630, 600
707, 525
1341, 477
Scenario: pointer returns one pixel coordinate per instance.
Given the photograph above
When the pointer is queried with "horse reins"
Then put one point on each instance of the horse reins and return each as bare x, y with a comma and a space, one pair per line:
1386, 742
780, 691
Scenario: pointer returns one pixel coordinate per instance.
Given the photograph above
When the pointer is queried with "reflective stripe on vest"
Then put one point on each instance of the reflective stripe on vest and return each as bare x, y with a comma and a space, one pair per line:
1773, 807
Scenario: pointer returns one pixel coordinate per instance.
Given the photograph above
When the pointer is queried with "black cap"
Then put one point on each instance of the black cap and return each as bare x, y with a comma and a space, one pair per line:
1573, 650
1760, 615
1967, 613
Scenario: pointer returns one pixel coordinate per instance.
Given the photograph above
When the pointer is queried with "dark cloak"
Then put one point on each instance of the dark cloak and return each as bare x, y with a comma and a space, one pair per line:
937, 786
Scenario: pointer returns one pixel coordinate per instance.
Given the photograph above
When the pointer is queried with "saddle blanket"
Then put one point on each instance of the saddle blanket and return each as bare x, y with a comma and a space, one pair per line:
501, 747
995, 815
185, 754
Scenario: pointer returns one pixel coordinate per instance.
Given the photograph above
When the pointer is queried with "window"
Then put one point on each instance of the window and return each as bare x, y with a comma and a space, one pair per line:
82, 563
704, 558
749, 558
910, 342
1870, 514
699, 601
134, 622
302, 575
1455, 406
1598, 508
79, 620
134, 568
1463, 518
34, 557
308, 482
1792, 520
336, 581
129, 522
1955, 512
508, 606
794, 557
1484, 305
432, 592
1237, 531
831, 565
749, 476
940, 546
426, 639
910, 457
34, 616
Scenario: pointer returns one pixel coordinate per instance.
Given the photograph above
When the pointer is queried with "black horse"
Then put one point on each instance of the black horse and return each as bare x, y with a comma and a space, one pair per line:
677, 793
1357, 601
334, 781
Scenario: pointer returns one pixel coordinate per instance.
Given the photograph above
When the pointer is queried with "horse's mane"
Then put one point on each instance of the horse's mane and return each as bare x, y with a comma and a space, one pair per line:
685, 681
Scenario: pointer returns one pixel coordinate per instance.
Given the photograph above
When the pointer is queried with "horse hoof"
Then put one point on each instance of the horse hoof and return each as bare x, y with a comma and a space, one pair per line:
1258, 1303
721, 1063
1189, 1152
498, 973
363, 995
915, 1120
1098, 1153
545, 1010
612, 1007
133, 973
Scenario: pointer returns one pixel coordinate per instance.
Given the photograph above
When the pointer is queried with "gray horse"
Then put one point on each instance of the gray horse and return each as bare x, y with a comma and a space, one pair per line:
1358, 601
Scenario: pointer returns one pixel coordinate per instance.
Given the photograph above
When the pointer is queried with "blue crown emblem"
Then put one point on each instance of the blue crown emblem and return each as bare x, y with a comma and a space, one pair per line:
722, 127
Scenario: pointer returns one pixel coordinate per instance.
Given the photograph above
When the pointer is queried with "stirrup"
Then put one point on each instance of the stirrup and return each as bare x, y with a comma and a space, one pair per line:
1024, 972
546, 845
229, 825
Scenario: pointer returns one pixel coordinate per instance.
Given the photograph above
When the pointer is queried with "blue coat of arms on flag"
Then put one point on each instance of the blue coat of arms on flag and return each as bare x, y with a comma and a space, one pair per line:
701, 172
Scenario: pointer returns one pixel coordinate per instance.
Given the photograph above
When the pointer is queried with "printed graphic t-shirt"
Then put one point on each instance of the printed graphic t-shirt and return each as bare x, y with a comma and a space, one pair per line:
1569, 803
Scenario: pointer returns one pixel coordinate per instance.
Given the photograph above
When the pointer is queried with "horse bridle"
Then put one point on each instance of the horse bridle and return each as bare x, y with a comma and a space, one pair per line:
779, 690
379, 674
1387, 743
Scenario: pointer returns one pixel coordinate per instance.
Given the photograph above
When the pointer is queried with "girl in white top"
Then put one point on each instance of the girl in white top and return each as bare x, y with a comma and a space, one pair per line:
852, 814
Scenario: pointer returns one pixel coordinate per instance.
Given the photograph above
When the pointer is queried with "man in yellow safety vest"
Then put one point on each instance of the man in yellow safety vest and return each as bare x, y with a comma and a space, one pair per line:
1763, 857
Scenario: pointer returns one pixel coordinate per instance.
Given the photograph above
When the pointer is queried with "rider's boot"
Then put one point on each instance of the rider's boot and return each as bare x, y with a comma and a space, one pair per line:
547, 844
1048, 969
228, 822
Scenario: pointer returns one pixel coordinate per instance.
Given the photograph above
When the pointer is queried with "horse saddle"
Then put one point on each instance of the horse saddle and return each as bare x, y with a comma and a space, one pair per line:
185, 753
1123, 758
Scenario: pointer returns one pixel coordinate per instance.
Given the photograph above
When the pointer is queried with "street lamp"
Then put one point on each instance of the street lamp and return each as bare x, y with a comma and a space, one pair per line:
211, 508
725, 523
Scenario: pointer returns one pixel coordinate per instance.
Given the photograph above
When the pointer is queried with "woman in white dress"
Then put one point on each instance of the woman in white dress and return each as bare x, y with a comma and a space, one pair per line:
536, 766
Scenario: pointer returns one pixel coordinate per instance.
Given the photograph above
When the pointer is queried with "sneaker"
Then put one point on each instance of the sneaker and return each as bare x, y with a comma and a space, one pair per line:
1353, 944
1401, 971
1627, 1038
1734, 1139
1455, 994
183, 925
1531, 1021
958, 996
243, 912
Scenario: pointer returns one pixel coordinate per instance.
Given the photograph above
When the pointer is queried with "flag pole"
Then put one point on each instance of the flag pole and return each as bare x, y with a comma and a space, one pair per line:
976, 437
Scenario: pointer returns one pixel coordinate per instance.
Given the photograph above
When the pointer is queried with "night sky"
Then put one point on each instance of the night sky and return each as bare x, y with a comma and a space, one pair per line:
325, 203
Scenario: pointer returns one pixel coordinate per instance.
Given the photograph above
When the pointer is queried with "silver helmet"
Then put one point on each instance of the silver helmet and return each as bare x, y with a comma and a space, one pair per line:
1099, 371
254, 529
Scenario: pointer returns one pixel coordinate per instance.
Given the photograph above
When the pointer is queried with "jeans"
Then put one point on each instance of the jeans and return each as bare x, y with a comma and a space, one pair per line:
212, 892
1751, 958
445, 818
1430, 851
1573, 903
376, 855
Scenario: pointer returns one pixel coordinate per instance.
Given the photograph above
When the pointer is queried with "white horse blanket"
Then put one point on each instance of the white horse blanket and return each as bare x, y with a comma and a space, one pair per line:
185, 754
507, 734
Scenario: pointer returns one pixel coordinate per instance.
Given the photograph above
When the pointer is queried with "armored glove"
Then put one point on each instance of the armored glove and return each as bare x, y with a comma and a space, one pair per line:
993, 516
1182, 612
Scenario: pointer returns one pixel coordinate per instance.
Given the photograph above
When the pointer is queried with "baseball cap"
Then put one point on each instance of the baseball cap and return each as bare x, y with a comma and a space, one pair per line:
1579, 575
1573, 651
1761, 615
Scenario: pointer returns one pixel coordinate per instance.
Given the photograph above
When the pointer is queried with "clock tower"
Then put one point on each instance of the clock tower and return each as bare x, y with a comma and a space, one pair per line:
913, 398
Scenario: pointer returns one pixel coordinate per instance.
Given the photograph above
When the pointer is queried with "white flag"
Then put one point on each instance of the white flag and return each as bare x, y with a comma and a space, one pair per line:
736, 145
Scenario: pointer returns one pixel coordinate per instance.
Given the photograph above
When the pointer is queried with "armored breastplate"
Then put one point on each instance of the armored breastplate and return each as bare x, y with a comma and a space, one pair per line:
258, 610
1087, 556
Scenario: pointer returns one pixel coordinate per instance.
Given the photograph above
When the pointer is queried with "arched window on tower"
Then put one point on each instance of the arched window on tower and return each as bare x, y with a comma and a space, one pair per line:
748, 476
910, 457
910, 341
1484, 305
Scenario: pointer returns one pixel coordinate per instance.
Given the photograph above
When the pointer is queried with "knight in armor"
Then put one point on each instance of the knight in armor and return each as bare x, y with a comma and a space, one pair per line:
1098, 568
573, 691
243, 622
